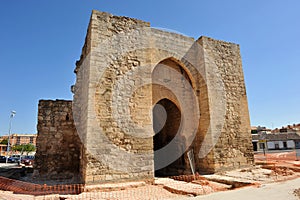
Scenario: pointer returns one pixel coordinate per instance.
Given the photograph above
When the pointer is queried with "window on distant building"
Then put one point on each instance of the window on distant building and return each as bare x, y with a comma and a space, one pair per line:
283, 130
262, 145
18, 140
31, 140
285, 145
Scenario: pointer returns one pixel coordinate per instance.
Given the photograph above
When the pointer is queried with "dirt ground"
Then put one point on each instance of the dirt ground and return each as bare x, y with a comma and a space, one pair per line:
297, 193
275, 173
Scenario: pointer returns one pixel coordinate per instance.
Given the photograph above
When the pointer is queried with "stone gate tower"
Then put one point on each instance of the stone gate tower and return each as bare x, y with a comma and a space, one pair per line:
146, 100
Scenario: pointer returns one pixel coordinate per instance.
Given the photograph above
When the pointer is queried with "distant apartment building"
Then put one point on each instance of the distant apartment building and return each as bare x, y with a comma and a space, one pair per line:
277, 139
17, 139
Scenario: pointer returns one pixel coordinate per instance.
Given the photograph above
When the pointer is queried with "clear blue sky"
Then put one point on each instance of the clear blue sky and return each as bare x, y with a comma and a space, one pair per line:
41, 40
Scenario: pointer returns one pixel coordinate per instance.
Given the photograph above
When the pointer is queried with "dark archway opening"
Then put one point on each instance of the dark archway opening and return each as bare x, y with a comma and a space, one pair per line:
165, 133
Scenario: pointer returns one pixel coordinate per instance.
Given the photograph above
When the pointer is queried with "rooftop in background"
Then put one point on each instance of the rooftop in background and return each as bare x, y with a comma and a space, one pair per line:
17, 134
288, 128
278, 136
283, 129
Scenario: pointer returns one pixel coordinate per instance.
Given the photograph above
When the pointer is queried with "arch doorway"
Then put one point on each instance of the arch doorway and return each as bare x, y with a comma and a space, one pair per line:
172, 93
171, 119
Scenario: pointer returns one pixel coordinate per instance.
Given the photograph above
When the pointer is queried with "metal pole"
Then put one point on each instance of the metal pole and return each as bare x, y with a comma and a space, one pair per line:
9, 132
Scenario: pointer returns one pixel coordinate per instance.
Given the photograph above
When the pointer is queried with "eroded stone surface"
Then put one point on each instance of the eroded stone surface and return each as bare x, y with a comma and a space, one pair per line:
58, 144
125, 69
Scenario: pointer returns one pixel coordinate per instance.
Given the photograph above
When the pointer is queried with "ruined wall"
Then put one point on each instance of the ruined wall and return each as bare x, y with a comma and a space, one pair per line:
126, 68
58, 145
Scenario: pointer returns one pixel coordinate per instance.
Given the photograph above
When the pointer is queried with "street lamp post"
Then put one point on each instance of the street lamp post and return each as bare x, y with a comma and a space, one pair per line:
12, 114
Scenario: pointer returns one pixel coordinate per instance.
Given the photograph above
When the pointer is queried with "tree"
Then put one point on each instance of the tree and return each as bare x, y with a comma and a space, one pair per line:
4, 141
24, 148
29, 148
18, 148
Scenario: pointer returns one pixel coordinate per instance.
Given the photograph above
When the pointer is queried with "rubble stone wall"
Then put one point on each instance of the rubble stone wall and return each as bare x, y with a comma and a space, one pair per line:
58, 145
233, 147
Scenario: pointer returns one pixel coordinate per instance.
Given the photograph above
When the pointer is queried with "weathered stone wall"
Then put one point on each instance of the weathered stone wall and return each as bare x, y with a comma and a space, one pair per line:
126, 68
107, 147
114, 95
233, 147
58, 145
